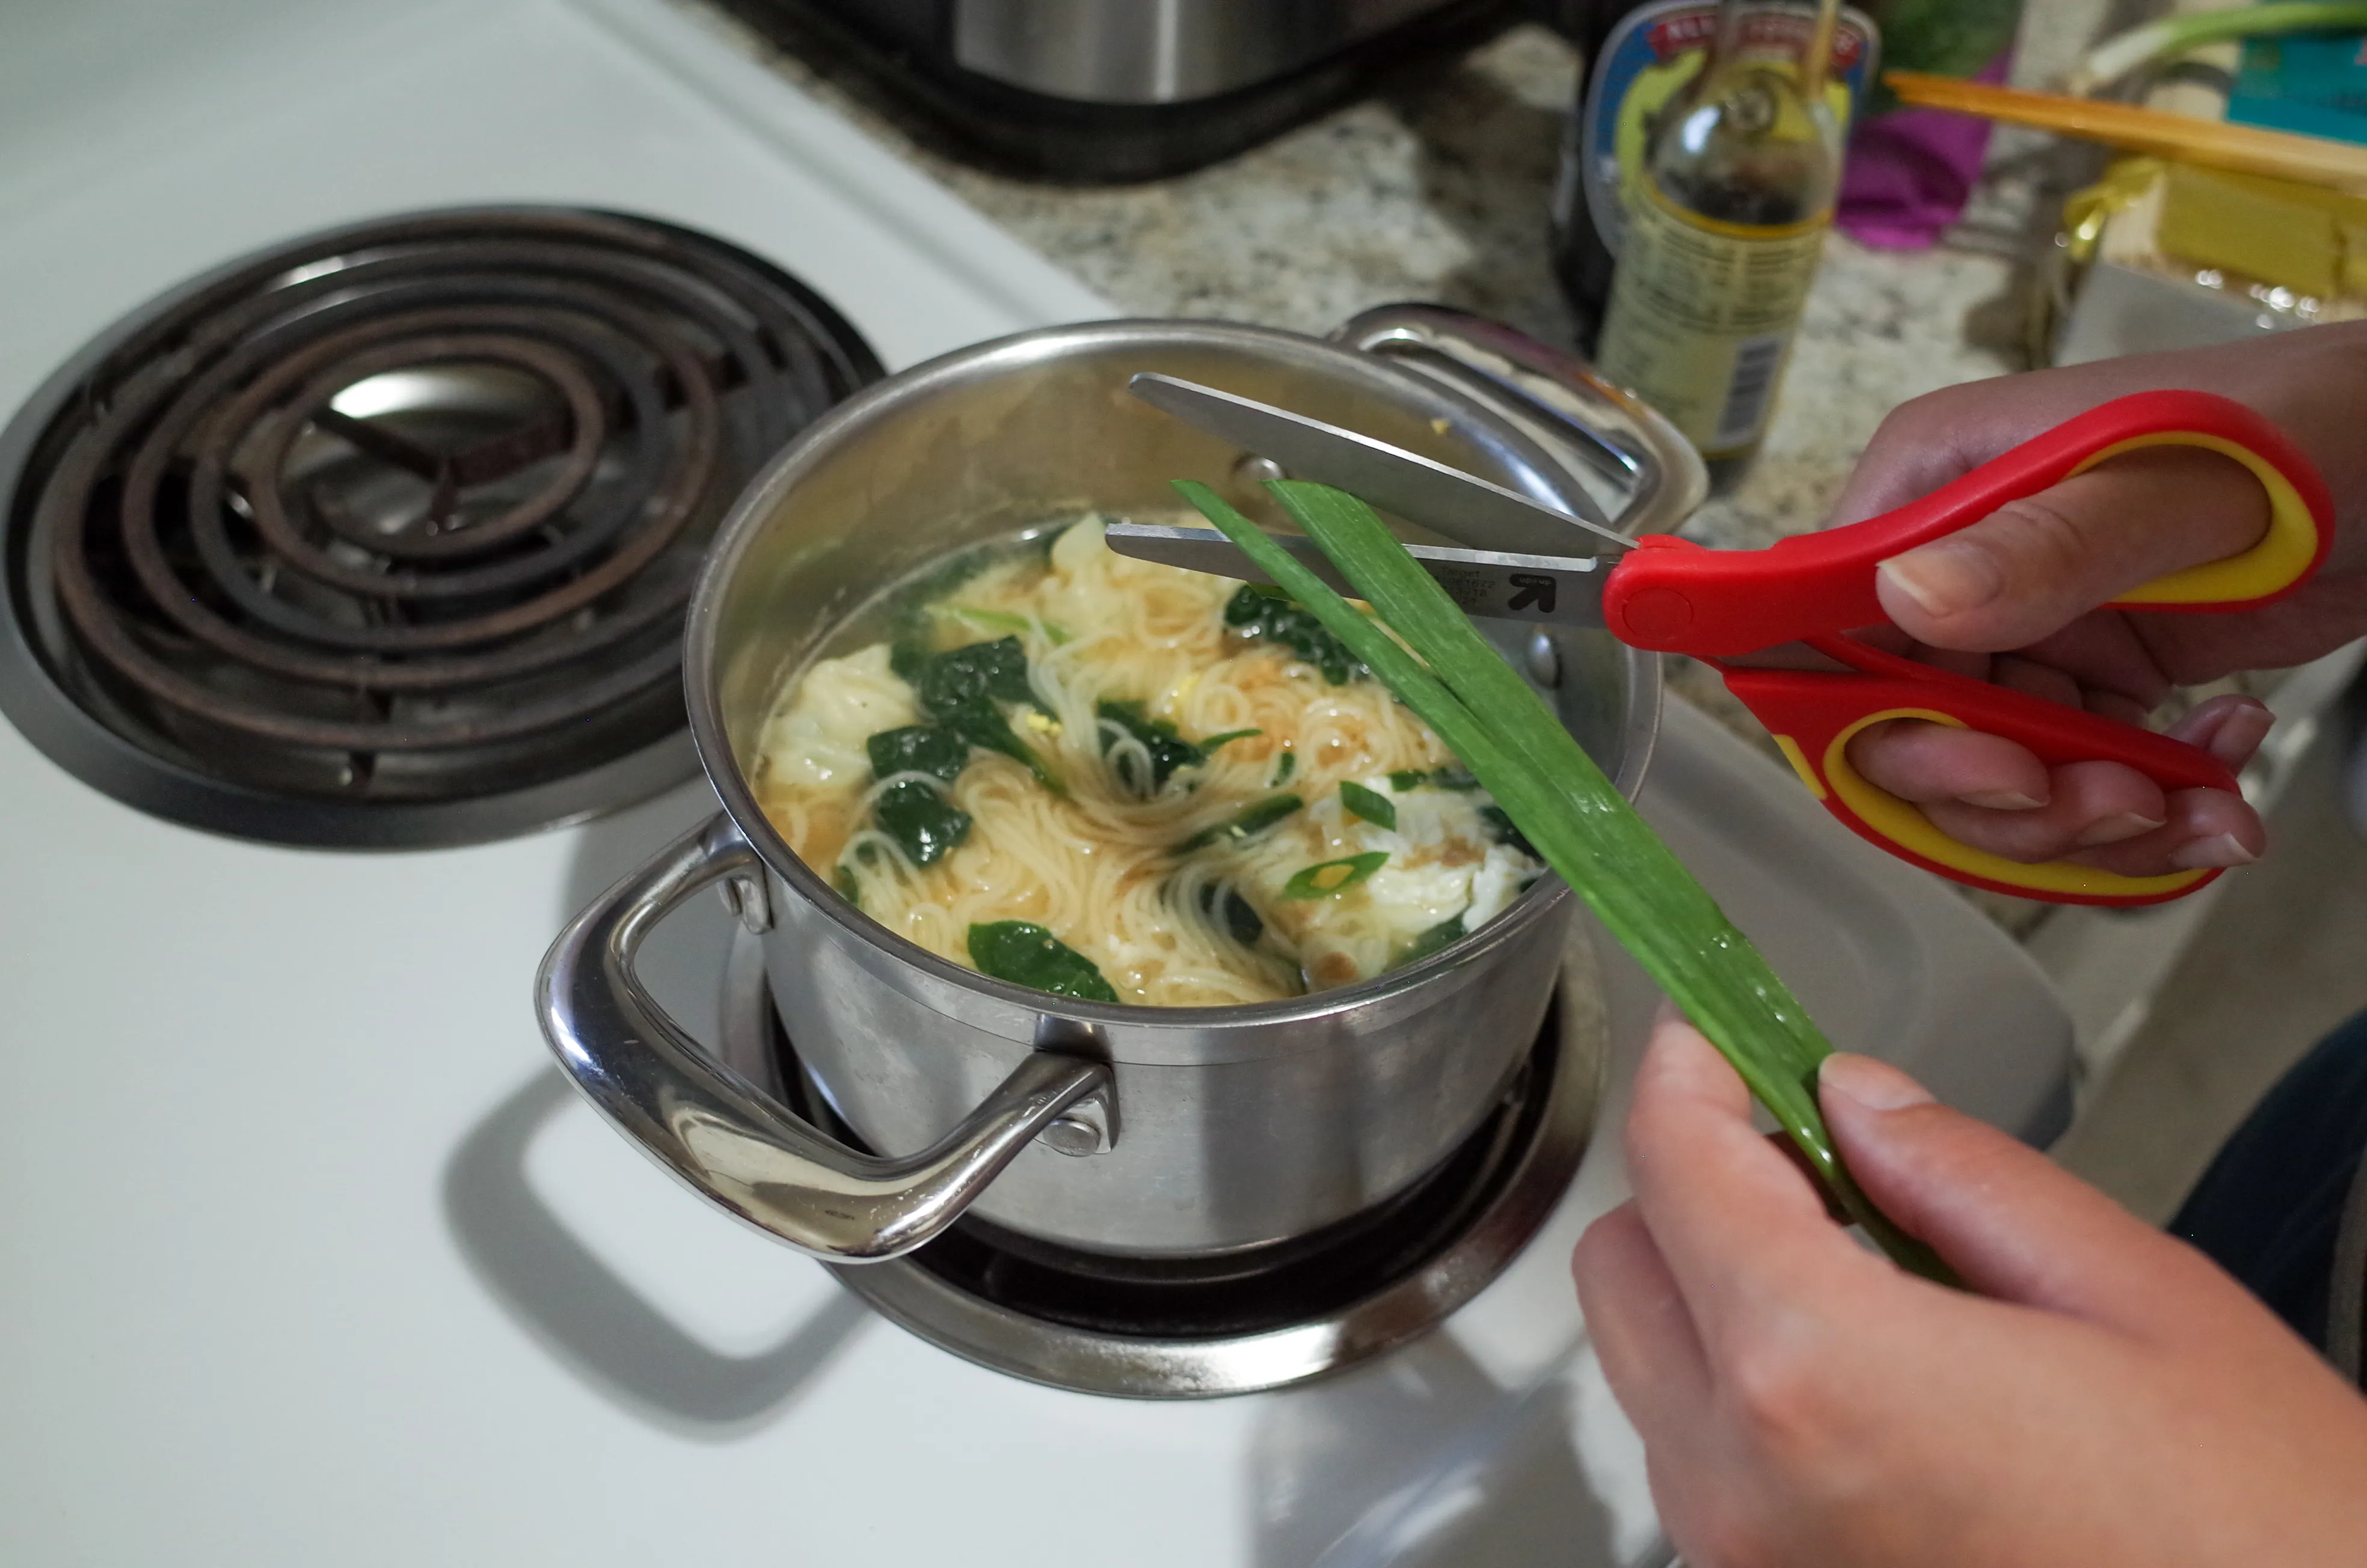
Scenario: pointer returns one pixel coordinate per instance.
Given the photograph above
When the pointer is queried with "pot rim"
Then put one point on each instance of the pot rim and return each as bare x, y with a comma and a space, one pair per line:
917, 383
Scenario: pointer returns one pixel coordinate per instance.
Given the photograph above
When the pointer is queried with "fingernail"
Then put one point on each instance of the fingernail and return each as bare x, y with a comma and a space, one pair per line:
2240, 734
2214, 854
1877, 1085
2001, 800
1947, 576
2120, 825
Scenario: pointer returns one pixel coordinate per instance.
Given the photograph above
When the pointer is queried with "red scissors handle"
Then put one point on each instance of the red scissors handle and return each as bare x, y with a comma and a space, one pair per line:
1675, 596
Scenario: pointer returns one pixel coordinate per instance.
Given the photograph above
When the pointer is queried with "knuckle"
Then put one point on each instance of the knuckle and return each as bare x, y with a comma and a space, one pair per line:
1777, 1385
2042, 551
1914, 420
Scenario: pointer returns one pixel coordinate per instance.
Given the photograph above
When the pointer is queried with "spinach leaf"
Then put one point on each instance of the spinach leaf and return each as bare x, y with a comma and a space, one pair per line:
1027, 954
918, 749
1251, 819
1228, 909
1443, 934
923, 823
1502, 829
963, 677
1326, 878
1370, 805
849, 886
1168, 750
986, 728
1260, 611
960, 687
1449, 777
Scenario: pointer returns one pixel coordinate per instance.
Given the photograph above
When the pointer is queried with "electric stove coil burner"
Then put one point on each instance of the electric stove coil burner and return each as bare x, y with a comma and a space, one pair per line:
1261, 1318
384, 537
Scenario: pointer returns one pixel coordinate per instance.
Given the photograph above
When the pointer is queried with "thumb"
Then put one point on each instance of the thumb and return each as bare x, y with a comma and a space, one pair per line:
2011, 1224
2035, 565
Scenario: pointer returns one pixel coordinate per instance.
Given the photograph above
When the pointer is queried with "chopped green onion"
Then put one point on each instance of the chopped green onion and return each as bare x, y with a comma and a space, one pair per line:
1326, 878
1212, 741
1005, 621
1283, 769
1370, 805
1583, 829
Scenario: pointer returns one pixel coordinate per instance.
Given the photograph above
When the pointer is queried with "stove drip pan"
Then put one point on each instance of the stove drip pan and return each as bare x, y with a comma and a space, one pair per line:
1261, 1318
383, 537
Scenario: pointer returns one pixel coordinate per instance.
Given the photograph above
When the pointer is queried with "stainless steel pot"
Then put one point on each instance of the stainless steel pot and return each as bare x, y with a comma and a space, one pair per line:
1143, 1131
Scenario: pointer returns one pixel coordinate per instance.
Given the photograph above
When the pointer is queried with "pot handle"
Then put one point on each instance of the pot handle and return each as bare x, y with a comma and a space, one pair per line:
1616, 433
717, 1131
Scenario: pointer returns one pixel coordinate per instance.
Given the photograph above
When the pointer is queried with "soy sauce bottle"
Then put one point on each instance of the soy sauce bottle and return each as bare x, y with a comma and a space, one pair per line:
1582, 261
1726, 219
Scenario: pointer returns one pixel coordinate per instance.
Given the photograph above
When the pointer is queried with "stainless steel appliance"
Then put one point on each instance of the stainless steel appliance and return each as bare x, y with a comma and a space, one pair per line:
1121, 89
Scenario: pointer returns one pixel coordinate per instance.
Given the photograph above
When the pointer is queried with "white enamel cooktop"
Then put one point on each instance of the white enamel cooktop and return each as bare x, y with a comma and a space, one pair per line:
307, 1256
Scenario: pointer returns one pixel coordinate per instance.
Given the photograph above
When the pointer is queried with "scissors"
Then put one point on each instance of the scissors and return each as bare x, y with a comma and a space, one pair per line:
1773, 621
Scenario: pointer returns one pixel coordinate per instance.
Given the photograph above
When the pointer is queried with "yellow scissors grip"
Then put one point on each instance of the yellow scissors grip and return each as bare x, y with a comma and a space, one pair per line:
2286, 554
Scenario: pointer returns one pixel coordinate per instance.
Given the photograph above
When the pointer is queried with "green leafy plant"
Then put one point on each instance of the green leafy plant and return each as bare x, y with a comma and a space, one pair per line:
1026, 954
1262, 612
1579, 824
918, 749
1248, 822
924, 824
961, 688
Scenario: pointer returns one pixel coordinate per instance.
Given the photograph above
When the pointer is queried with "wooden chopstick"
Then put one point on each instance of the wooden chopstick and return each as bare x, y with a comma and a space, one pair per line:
2311, 159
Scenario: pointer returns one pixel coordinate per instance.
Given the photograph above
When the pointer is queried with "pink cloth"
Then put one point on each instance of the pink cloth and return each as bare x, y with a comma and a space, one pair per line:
1909, 172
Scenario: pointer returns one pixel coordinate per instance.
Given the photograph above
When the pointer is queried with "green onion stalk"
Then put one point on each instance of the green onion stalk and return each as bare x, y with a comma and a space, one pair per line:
2169, 37
1581, 825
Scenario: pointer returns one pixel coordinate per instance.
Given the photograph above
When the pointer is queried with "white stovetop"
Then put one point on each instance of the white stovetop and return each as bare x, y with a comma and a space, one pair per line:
306, 1257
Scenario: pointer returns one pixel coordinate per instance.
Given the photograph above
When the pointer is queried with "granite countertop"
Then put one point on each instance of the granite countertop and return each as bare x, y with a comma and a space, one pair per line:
1439, 192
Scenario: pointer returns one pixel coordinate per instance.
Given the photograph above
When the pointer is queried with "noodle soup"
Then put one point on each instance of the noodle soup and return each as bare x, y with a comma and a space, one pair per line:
1124, 781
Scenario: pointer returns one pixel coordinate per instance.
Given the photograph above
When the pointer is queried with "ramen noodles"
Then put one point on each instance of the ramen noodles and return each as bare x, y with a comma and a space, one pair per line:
1124, 781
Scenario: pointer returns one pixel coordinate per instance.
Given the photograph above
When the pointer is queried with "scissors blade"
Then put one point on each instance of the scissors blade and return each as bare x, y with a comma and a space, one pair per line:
1562, 591
1469, 510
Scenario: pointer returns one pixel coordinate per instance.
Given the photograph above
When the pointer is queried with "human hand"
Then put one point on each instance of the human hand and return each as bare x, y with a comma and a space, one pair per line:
2013, 598
2107, 1397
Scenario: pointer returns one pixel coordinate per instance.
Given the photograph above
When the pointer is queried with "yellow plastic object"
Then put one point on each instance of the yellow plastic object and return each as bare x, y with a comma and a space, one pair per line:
1905, 825
2283, 556
2085, 211
2298, 236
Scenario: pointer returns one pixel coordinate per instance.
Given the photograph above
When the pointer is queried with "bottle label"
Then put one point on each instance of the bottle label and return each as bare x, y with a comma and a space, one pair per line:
1701, 315
1648, 58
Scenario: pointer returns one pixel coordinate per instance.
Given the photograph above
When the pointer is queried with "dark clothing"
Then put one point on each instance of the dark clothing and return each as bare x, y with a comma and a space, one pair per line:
2283, 1206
